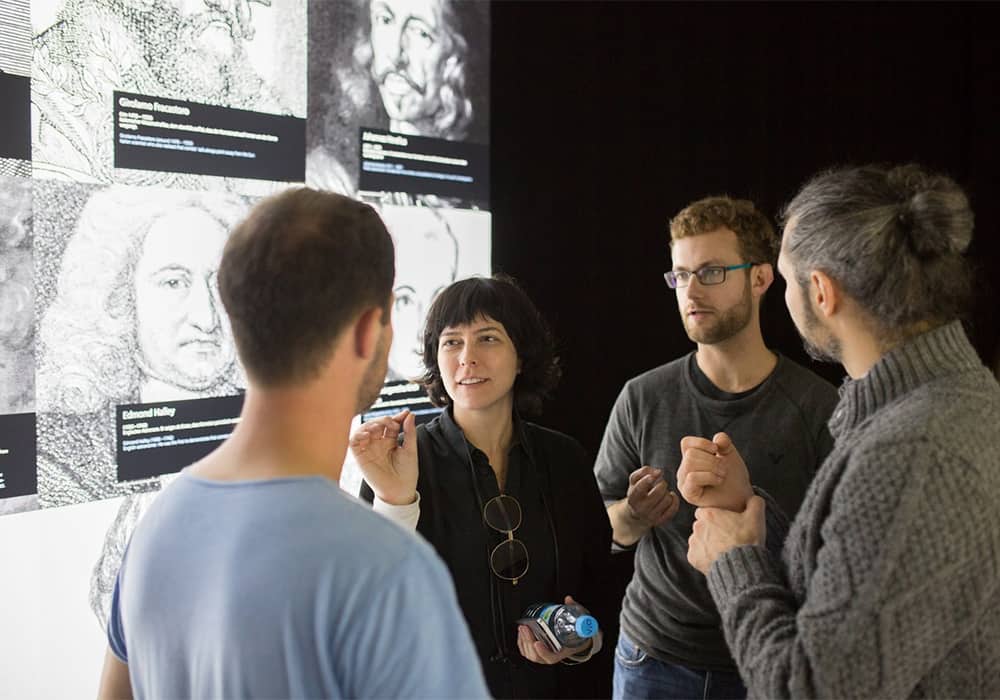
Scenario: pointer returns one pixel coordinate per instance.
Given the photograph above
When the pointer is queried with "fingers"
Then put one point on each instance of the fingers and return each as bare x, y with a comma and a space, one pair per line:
723, 444
701, 479
409, 425
642, 472
692, 442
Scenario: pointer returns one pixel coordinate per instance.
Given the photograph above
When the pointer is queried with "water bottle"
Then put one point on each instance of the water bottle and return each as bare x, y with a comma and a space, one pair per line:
560, 626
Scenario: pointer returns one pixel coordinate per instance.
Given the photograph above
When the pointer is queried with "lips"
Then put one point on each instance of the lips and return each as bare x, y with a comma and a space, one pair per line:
472, 381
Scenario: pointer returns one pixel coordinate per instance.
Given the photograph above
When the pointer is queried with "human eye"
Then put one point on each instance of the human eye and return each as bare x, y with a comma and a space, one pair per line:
381, 16
421, 32
173, 281
682, 276
711, 274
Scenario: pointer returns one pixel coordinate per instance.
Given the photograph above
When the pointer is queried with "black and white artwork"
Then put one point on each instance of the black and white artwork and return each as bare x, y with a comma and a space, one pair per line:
244, 54
17, 348
128, 313
417, 67
434, 247
17, 298
15, 37
15, 69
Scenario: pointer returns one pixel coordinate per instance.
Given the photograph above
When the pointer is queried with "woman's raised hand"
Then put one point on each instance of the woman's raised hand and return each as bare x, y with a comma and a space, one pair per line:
388, 462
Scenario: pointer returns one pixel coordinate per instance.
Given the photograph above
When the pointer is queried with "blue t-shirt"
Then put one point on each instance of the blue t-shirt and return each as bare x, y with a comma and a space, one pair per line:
285, 588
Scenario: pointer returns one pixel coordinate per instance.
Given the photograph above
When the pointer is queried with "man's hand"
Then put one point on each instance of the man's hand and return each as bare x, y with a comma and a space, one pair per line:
717, 530
712, 473
648, 503
390, 469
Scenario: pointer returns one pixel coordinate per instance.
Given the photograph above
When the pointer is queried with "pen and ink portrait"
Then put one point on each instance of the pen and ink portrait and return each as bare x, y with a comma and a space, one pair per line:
128, 313
416, 67
244, 54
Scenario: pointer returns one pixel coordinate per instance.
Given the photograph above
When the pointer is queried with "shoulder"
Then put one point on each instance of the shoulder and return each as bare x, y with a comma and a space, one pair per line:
651, 384
548, 442
804, 387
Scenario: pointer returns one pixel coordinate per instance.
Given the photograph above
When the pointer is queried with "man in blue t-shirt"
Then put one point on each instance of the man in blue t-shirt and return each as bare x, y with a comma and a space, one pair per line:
253, 575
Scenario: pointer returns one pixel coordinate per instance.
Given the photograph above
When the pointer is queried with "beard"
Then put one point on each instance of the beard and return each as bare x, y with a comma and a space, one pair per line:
374, 377
728, 323
825, 349
201, 57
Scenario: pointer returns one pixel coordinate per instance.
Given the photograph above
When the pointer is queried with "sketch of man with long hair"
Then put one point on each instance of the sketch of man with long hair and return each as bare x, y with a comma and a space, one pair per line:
408, 66
133, 316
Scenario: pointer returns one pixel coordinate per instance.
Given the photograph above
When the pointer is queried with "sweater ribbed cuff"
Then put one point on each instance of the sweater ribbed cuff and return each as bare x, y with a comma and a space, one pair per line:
739, 569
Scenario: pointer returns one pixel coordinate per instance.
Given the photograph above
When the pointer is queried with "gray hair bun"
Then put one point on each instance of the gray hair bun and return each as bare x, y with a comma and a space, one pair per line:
933, 216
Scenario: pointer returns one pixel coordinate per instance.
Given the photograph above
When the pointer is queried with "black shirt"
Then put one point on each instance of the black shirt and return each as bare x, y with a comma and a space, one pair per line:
564, 527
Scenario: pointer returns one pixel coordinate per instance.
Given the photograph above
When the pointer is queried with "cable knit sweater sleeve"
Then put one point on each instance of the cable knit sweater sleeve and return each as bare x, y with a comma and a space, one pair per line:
896, 553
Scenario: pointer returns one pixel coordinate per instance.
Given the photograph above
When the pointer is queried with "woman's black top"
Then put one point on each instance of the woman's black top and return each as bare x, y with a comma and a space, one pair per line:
552, 479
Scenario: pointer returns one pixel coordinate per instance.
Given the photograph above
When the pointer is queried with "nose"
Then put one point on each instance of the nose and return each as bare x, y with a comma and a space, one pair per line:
466, 358
202, 312
402, 58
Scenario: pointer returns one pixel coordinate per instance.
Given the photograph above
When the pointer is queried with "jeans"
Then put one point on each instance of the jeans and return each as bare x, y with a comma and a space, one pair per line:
638, 675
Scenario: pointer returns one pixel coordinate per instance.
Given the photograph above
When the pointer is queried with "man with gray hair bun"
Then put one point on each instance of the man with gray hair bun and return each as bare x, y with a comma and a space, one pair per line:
889, 583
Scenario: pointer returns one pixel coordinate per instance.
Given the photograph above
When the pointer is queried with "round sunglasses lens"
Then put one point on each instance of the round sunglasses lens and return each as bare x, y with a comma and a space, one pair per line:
509, 559
502, 513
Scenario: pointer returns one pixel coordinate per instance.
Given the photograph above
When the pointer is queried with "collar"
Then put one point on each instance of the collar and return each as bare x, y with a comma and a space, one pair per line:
455, 436
938, 353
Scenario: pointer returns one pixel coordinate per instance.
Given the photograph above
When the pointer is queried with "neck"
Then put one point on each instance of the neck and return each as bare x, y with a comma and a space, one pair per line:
860, 350
287, 432
738, 363
491, 429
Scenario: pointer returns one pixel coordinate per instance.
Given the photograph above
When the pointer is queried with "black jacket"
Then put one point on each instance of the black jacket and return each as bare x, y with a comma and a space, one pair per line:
550, 476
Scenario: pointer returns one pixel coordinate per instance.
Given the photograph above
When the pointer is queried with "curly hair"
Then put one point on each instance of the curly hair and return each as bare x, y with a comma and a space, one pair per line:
501, 299
456, 114
88, 350
757, 239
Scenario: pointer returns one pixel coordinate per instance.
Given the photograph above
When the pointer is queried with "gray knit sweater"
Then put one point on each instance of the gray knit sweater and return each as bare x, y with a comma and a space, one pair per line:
890, 580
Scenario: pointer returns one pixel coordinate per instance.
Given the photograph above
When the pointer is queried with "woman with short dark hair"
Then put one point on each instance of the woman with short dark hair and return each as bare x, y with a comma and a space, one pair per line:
511, 507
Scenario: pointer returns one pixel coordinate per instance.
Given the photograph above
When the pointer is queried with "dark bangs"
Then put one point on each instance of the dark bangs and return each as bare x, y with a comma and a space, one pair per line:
500, 298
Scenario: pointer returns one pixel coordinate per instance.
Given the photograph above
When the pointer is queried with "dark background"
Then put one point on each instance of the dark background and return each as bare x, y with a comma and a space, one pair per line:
608, 118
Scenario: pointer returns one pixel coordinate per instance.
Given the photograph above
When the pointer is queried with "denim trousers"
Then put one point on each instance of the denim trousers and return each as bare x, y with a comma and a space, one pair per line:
639, 675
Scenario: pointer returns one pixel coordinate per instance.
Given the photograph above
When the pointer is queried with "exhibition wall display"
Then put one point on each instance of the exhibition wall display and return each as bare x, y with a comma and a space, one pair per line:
136, 134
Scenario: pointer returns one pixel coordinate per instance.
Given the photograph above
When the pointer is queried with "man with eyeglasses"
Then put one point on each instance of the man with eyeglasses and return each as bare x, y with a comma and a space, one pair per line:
671, 643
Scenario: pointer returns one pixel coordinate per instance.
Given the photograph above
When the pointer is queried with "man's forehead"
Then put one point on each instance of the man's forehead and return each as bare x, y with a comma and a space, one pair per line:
712, 247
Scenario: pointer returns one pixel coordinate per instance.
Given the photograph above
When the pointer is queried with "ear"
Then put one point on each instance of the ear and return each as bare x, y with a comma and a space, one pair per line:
824, 293
761, 278
367, 331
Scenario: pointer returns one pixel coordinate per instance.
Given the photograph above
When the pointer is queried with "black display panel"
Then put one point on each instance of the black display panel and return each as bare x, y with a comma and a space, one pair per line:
15, 116
164, 437
163, 134
17, 455
420, 165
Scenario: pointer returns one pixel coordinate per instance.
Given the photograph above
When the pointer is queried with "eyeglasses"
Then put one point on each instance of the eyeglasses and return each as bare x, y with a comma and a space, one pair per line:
509, 559
710, 274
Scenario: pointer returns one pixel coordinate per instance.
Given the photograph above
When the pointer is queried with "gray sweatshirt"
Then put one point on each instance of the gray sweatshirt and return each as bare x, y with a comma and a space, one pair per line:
889, 584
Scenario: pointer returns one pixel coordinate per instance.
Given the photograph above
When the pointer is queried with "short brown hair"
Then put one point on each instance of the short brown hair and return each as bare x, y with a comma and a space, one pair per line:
294, 273
758, 241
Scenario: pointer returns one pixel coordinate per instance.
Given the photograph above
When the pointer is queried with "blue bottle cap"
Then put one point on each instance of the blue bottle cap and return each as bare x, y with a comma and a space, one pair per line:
586, 626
